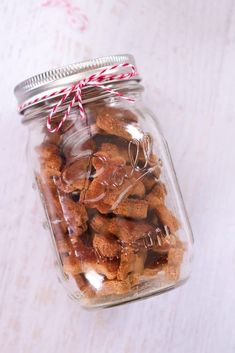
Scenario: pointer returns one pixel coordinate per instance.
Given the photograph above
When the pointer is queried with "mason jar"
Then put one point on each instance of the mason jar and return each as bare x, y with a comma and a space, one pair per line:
104, 173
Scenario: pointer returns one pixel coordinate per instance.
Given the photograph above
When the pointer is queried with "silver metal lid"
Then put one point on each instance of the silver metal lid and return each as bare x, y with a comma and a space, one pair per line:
47, 82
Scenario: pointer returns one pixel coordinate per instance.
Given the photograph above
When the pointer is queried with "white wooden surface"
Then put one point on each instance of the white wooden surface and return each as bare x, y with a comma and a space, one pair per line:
185, 51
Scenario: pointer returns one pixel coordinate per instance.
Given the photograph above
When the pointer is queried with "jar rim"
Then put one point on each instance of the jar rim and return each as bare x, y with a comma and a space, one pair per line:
43, 84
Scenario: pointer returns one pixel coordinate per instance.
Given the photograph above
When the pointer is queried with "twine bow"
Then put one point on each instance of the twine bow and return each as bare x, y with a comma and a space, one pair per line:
75, 92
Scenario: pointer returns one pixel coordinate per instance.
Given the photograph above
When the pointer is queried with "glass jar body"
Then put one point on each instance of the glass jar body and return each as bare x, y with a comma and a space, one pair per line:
112, 201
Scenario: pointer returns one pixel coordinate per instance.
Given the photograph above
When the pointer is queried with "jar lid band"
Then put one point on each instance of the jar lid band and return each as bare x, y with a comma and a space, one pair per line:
57, 82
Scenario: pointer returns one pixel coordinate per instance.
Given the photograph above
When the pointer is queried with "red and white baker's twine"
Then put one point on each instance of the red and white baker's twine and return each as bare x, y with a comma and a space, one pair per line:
95, 80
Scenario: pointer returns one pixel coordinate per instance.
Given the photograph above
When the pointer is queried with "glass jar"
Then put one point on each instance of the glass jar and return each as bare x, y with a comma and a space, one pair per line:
107, 184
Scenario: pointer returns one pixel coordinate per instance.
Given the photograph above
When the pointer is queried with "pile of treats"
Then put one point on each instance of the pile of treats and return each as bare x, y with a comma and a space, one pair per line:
106, 204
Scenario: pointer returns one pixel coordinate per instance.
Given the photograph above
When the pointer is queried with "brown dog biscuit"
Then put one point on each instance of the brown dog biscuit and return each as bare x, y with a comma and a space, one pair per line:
47, 150
118, 287
64, 245
106, 245
94, 194
132, 153
106, 268
127, 231
75, 175
129, 187
131, 262
100, 224
51, 201
80, 144
149, 182
155, 241
175, 258
50, 168
163, 243
132, 208
107, 197
85, 260
114, 151
167, 218
50, 161
71, 265
157, 195
114, 287
72, 187
122, 123
75, 215
156, 199
74, 266
109, 171
84, 286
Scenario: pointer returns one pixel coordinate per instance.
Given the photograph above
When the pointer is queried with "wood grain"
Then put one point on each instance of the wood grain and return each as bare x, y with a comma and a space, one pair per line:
185, 51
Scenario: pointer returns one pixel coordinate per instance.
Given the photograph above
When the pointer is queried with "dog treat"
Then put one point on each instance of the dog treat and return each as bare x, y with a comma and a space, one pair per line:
64, 246
129, 187
149, 182
117, 122
104, 197
84, 259
78, 144
175, 258
109, 171
167, 218
106, 203
106, 245
125, 230
157, 195
131, 262
75, 215
71, 265
50, 160
75, 176
156, 199
47, 150
114, 286
132, 208
114, 151
85, 288
103, 267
